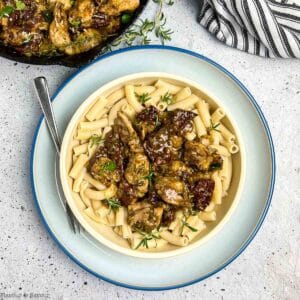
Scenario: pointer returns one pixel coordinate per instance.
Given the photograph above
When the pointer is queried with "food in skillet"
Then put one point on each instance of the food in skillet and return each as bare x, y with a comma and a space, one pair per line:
152, 162
55, 27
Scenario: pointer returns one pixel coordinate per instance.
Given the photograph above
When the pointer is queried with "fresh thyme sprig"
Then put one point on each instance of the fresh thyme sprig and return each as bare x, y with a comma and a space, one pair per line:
186, 224
146, 237
214, 126
140, 32
167, 98
143, 97
96, 140
150, 176
113, 204
164, 34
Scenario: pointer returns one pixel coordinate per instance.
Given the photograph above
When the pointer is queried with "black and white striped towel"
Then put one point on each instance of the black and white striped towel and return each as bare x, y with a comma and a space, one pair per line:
269, 28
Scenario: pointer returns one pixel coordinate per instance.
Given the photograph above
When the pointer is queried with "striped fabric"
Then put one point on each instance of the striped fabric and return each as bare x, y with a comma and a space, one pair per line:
269, 28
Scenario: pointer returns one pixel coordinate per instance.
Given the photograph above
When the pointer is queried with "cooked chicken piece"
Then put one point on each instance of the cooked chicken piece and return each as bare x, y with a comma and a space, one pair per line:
175, 168
59, 29
161, 147
82, 13
127, 193
180, 121
84, 41
127, 133
105, 170
136, 173
146, 121
202, 191
201, 157
144, 216
115, 7
172, 191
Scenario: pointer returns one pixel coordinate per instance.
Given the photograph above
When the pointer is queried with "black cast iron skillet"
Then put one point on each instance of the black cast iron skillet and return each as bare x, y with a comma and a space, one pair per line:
74, 61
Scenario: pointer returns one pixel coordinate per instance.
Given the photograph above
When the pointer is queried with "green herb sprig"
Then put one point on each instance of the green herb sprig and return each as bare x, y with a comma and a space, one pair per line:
109, 166
150, 176
140, 32
214, 126
186, 224
164, 34
96, 140
143, 98
6, 11
167, 98
113, 204
146, 237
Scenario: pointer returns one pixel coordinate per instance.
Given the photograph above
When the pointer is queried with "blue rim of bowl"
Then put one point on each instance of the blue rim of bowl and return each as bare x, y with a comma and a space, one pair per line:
273, 171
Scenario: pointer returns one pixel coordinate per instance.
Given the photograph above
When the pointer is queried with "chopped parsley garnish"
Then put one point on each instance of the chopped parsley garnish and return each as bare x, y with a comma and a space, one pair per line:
96, 140
167, 98
6, 11
146, 237
20, 5
75, 23
113, 204
143, 98
109, 166
214, 126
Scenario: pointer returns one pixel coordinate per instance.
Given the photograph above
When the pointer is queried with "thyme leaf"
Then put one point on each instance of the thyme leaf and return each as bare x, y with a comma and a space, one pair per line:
143, 97
214, 126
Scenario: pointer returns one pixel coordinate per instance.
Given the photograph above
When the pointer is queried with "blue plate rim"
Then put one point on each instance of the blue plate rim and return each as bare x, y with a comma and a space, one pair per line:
272, 152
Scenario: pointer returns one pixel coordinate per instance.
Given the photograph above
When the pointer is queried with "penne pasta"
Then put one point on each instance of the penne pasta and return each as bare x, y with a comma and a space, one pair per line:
77, 182
161, 106
217, 193
156, 96
90, 213
81, 149
113, 113
173, 89
227, 135
96, 109
182, 94
78, 165
84, 134
132, 99
174, 240
220, 149
226, 173
146, 89
115, 97
217, 115
186, 104
120, 216
203, 111
95, 125
84, 185
199, 127
95, 183
208, 216
101, 195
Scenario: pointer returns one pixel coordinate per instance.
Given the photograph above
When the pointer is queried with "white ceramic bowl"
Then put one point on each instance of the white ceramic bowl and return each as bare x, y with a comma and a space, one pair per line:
103, 233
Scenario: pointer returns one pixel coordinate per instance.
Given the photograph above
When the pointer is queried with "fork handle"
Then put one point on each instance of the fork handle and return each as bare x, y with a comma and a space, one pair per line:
42, 90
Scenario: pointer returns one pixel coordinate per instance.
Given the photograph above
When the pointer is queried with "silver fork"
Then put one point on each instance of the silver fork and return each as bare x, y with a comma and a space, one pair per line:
42, 91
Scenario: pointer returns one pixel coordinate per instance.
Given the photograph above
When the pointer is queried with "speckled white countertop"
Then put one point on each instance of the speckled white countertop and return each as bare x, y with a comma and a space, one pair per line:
30, 261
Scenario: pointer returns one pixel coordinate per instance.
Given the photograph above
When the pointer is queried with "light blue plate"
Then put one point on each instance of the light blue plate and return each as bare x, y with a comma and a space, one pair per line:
219, 251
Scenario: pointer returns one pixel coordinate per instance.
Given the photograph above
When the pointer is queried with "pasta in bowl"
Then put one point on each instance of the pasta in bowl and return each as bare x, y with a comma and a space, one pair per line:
151, 165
